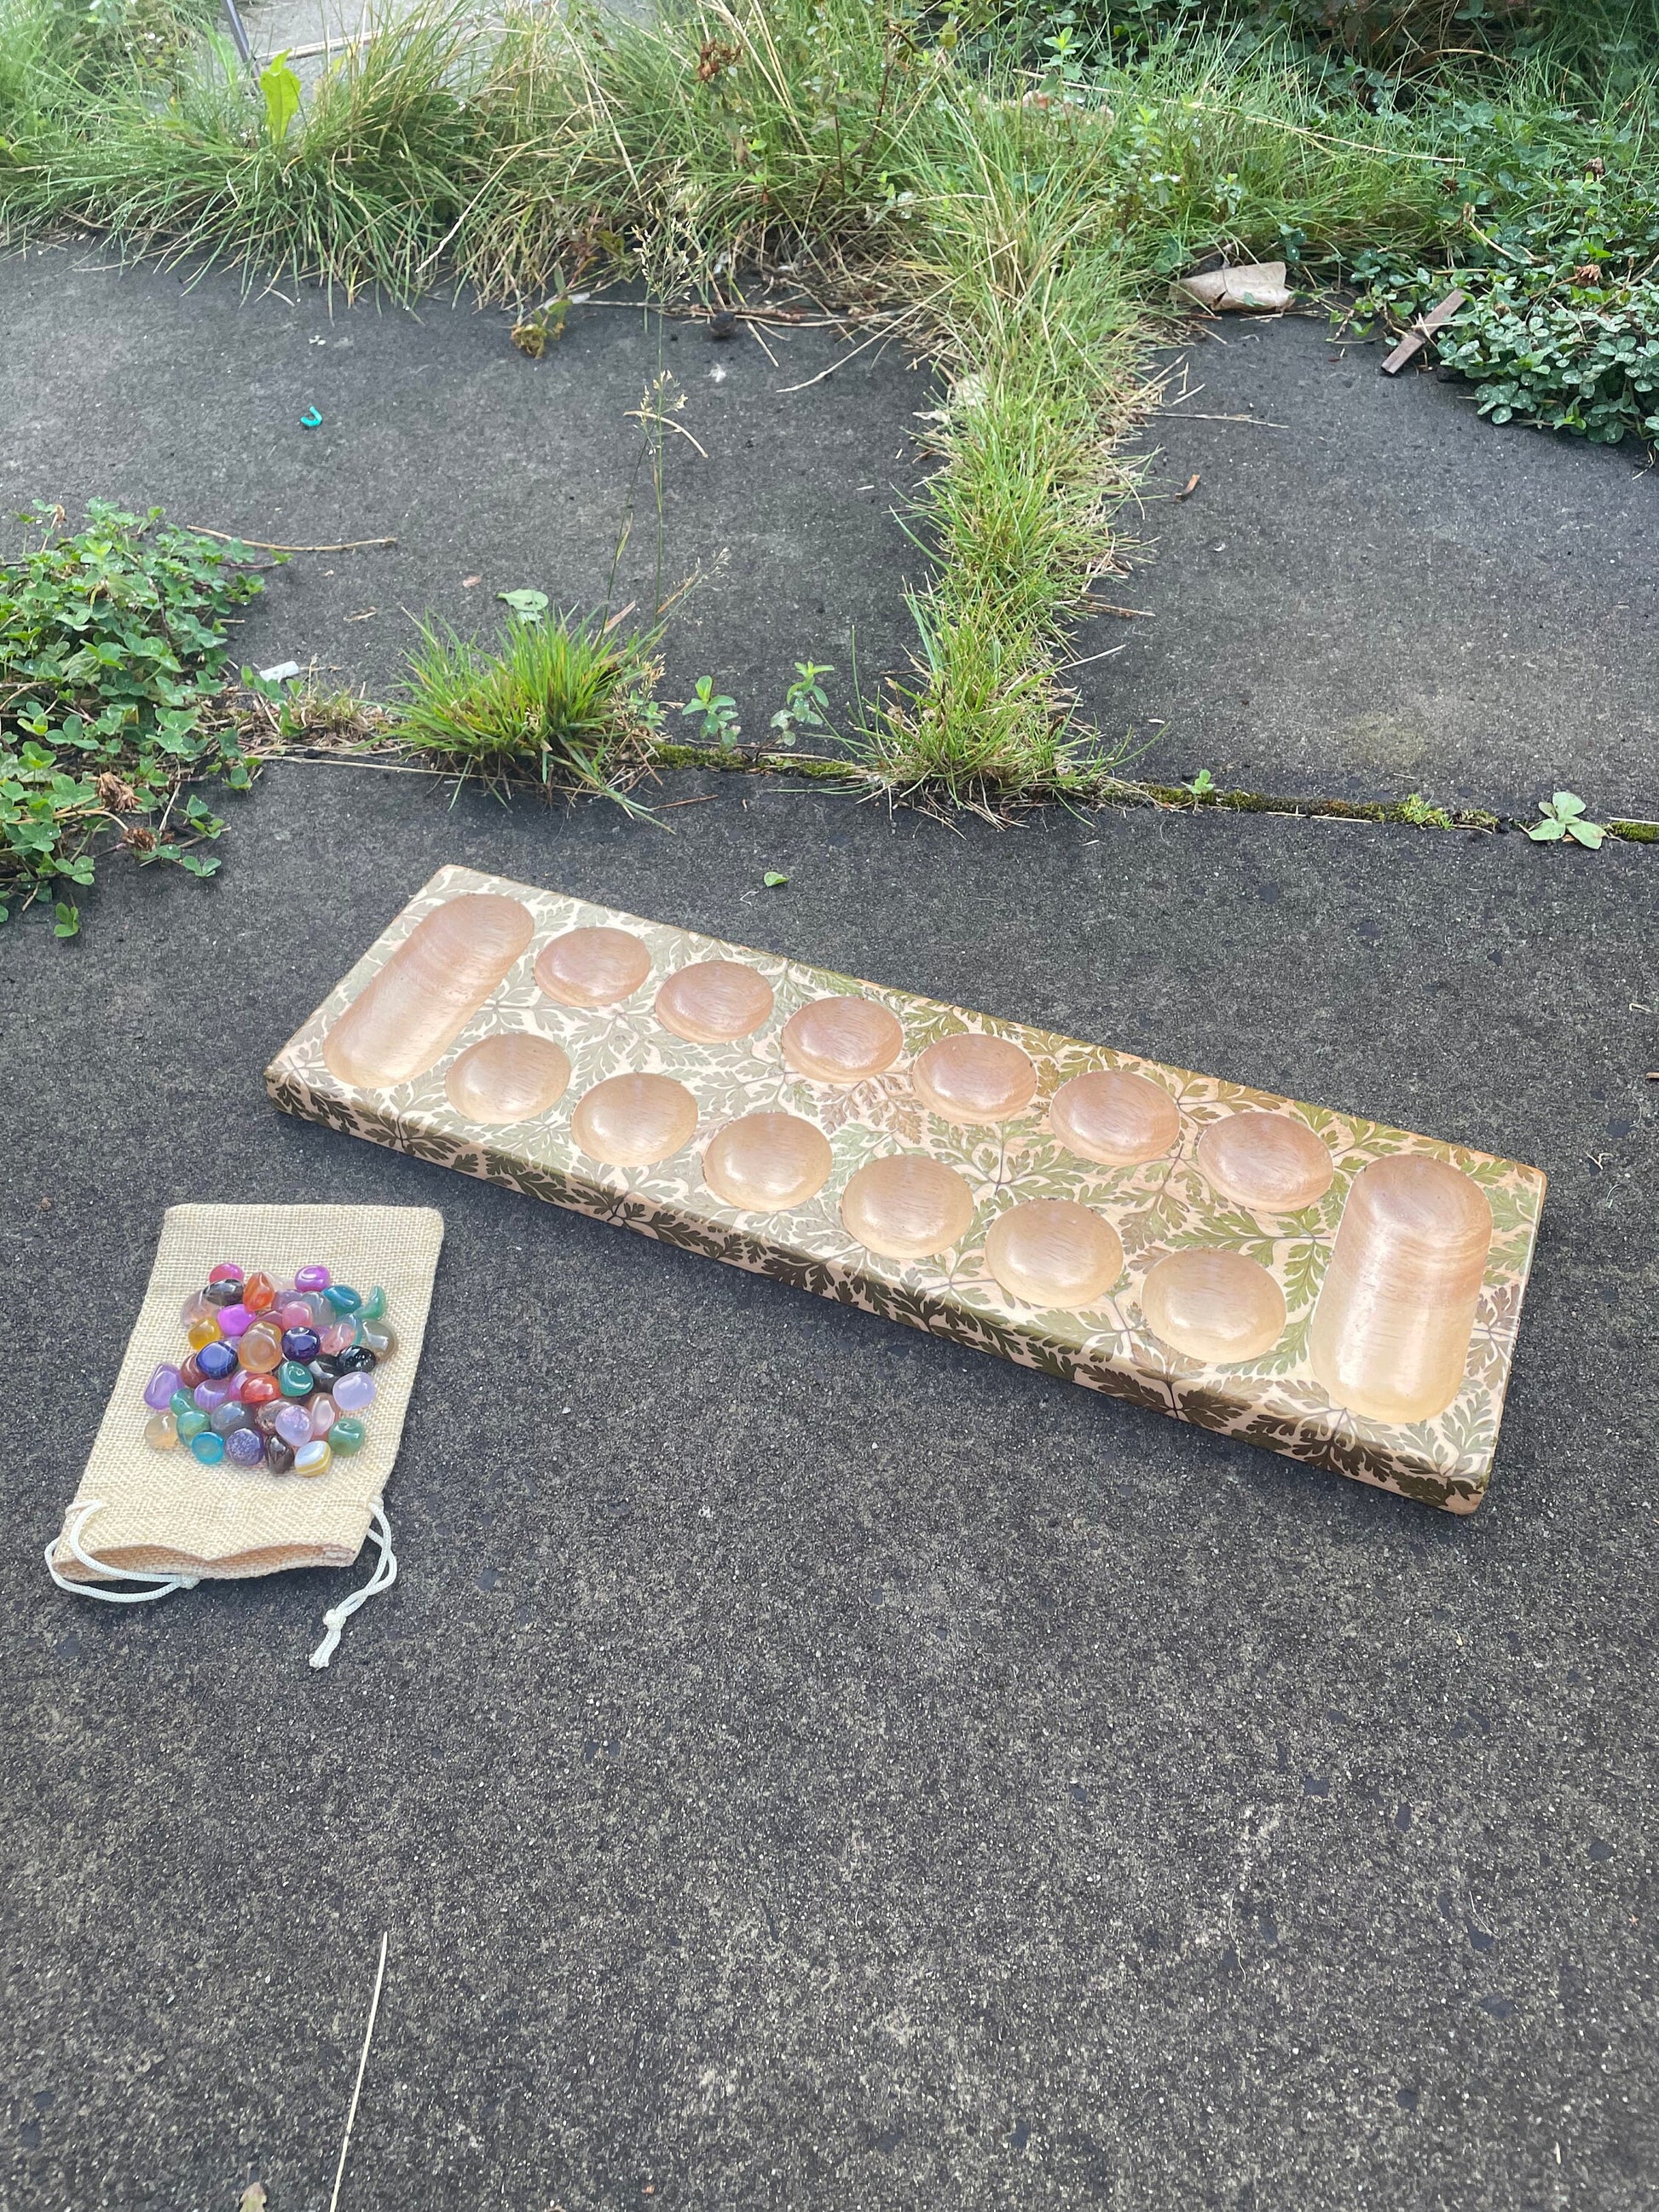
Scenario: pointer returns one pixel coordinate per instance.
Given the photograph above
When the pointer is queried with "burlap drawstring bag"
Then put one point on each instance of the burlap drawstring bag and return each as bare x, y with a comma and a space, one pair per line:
161, 1519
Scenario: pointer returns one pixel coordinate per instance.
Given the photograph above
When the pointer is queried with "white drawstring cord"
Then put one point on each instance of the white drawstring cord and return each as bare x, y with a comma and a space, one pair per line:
165, 1584
385, 1574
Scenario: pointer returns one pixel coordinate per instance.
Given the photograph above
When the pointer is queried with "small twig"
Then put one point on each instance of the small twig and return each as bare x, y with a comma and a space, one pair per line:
1190, 486
261, 545
362, 2066
783, 389
1185, 416
1128, 614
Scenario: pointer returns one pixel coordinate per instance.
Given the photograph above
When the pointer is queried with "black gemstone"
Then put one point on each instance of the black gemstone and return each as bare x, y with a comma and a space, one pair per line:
356, 1359
327, 1368
221, 1294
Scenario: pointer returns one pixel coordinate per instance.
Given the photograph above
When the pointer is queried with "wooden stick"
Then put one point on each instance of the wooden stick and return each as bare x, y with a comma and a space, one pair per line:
363, 2064
1421, 332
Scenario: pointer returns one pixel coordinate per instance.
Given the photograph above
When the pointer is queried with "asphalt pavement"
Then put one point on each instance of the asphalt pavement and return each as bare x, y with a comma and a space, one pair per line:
804, 1762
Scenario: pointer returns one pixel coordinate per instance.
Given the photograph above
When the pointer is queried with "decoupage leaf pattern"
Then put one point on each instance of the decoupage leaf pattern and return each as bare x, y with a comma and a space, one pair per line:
1161, 1205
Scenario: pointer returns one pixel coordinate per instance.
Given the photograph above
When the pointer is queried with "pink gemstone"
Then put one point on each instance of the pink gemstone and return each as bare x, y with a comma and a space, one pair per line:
233, 1319
293, 1425
226, 1271
324, 1414
294, 1313
311, 1278
354, 1391
339, 1336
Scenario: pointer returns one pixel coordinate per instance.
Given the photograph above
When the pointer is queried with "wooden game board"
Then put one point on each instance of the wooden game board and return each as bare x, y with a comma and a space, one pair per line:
1340, 1291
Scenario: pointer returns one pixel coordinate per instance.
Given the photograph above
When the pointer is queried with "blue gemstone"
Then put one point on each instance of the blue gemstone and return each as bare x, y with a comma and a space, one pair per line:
301, 1345
218, 1360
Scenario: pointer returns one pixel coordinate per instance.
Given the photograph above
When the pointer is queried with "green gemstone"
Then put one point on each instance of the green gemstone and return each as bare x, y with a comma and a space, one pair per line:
191, 1423
374, 1305
294, 1381
342, 1299
181, 1402
347, 1435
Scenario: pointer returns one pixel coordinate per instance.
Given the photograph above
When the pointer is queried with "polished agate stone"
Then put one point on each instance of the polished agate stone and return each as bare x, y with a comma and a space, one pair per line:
217, 1361
841, 1040
323, 1413
203, 1331
225, 1271
258, 1294
258, 1390
279, 1456
265, 1417
162, 1432
1115, 1117
190, 1372
293, 1425
246, 1448
314, 1278
314, 1458
356, 1357
1213, 1305
348, 1434
377, 1337
209, 1396
224, 1293
767, 1162
1050, 1252
1390, 1333
907, 1206
375, 1304
190, 1425
343, 1299
1267, 1161
972, 1078
407, 1016
301, 1345
592, 966
511, 1078
294, 1381
207, 1448
225, 1419
713, 1001
340, 1337
234, 1321
354, 1393
633, 1120
261, 1349
160, 1388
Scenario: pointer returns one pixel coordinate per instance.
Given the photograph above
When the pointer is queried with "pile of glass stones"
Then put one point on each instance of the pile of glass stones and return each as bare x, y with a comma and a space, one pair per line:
277, 1375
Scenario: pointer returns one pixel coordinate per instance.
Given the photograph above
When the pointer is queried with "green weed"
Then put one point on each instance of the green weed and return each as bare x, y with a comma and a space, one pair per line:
113, 649
558, 701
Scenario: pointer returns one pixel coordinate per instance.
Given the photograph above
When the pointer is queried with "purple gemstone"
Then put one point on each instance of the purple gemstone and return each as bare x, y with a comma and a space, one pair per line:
209, 1396
353, 1392
158, 1391
293, 1425
312, 1279
245, 1446
216, 1360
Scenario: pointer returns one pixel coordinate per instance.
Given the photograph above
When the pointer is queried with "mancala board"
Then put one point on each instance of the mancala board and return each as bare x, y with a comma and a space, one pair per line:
1342, 1292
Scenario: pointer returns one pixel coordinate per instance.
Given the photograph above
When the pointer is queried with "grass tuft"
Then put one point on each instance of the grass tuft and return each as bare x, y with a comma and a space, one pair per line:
559, 703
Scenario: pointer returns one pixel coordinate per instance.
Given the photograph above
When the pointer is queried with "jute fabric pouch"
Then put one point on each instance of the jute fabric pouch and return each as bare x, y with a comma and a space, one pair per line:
140, 1512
